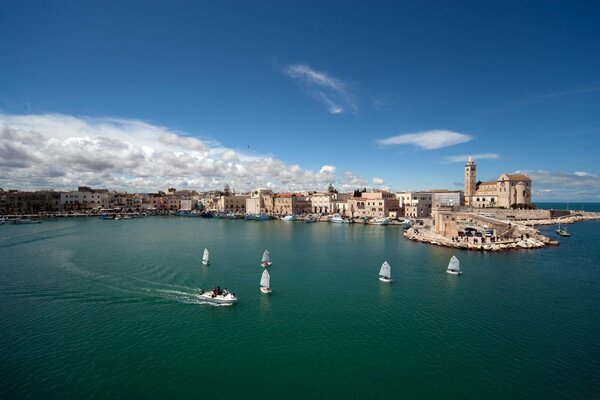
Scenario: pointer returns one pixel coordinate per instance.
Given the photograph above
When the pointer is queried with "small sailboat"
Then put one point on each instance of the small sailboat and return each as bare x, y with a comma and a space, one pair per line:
265, 282
266, 259
454, 266
562, 232
205, 257
385, 273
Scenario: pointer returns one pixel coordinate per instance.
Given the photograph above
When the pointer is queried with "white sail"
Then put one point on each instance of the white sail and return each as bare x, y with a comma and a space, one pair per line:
454, 264
266, 258
205, 257
385, 270
265, 279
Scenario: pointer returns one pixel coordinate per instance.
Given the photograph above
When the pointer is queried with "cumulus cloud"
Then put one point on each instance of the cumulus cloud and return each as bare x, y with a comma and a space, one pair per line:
350, 182
377, 181
427, 140
465, 157
556, 185
62, 152
330, 91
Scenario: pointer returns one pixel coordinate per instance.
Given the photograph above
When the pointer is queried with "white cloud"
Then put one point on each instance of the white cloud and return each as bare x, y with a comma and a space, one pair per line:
556, 185
350, 182
62, 152
465, 157
427, 140
325, 88
377, 181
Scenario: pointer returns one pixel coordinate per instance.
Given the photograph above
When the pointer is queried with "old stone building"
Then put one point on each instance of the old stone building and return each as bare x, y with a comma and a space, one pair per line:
506, 191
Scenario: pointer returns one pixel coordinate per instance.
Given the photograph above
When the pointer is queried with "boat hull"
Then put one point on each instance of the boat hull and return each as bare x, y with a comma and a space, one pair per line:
450, 271
266, 264
265, 290
205, 263
219, 299
385, 280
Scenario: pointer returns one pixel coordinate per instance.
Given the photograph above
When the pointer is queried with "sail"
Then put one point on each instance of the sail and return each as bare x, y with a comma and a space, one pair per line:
205, 256
265, 280
385, 270
454, 264
266, 256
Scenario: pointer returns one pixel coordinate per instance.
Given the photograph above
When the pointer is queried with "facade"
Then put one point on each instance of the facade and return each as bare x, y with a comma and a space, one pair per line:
447, 198
417, 204
17, 202
290, 203
326, 203
84, 198
232, 204
506, 191
374, 205
260, 202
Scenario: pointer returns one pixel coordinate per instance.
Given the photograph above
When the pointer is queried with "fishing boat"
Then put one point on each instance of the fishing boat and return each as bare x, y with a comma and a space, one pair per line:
257, 217
265, 282
385, 273
338, 219
218, 295
290, 217
562, 231
454, 266
266, 259
205, 257
379, 221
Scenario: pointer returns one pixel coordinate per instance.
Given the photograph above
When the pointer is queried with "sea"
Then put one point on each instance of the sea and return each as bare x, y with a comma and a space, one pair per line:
108, 309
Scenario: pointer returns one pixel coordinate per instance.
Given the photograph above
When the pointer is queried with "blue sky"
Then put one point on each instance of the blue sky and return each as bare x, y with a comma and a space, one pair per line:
292, 95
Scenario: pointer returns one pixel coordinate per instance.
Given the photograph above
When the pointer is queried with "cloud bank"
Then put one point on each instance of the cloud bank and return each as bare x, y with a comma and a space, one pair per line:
326, 89
53, 151
576, 186
428, 140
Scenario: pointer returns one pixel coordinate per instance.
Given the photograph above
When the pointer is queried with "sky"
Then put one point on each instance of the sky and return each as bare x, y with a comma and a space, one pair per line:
145, 95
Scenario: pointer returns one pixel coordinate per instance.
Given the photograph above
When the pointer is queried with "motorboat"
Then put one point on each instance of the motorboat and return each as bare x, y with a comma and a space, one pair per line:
454, 266
385, 273
290, 217
218, 295
379, 221
310, 220
338, 219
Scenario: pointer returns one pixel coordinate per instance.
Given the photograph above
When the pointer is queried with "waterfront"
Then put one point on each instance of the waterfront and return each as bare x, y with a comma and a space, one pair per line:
108, 309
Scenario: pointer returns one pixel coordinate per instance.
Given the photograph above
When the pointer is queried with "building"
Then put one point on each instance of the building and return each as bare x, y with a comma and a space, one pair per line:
84, 198
377, 204
416, 204
327, 203
290, 203
260, 202
17, 202
440, 197
232, 203
509, 190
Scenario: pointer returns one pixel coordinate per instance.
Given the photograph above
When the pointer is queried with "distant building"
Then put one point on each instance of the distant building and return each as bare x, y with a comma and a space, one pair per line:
260, 201
506, 191
290, 203
374, 205
416, 204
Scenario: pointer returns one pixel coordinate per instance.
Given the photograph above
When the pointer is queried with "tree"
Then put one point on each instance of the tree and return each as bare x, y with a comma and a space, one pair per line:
357, 193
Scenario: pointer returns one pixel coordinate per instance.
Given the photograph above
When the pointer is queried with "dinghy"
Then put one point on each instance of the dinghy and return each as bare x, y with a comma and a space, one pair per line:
265, 282
385, 273
266, 259
454, 266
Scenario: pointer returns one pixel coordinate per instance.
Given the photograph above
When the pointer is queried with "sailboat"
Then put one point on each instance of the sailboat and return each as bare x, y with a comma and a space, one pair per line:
385, 273
562, 232
266, 259
454, 266
265, 282
205, 257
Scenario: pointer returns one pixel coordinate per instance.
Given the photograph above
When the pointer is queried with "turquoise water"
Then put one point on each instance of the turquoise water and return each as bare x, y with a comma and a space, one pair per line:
573, 206
108, 309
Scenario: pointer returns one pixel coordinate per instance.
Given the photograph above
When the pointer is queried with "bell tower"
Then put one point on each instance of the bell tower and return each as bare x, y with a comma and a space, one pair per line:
470, 181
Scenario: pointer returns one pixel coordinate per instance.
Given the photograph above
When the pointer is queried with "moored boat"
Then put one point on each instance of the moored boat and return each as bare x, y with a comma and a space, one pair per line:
290, 217
379, 221
257, 217
338, 219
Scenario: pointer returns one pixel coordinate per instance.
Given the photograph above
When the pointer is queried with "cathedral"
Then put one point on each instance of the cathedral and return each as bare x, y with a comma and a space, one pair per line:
507, 190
